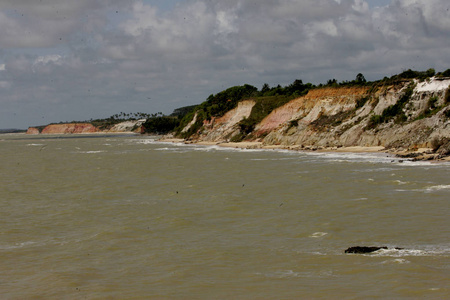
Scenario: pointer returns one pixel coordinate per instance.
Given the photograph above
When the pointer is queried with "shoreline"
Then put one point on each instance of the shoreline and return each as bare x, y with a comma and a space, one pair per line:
422, 154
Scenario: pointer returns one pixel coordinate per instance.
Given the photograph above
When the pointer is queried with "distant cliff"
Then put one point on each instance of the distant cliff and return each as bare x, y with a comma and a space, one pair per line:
79, 128
407, 114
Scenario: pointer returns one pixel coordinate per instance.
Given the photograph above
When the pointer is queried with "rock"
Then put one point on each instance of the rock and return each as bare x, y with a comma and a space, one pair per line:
365, 249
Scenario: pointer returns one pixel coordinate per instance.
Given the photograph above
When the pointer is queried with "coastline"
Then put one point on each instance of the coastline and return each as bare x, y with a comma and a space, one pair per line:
422, 154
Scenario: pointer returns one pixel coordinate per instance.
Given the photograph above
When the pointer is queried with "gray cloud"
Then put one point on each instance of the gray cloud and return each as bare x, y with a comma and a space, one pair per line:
69, 60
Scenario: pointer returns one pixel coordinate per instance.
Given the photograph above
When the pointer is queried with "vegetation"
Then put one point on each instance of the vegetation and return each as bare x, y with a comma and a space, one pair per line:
394, 111
183, 111
325, 121
12, 130
161, 124
446, 73
361, 102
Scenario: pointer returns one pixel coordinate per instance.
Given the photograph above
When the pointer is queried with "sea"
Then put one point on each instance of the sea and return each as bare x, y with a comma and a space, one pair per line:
128, 217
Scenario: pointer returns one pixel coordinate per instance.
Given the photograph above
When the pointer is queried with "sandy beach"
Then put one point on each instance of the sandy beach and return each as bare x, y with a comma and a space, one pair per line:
260, 145
423, 153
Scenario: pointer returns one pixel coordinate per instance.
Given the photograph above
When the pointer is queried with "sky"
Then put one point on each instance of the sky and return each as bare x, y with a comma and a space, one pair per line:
64, 60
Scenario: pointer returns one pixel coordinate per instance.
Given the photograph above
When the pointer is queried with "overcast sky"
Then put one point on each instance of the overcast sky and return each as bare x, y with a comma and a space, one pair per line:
64, 60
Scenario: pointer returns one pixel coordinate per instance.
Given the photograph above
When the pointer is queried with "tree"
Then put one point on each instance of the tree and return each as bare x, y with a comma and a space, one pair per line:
360, 78
265, 88
431, 72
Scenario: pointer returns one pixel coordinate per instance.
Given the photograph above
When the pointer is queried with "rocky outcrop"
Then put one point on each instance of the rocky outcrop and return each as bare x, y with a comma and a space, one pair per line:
226, 126
129, 126
69, 128
407, 115
33, 130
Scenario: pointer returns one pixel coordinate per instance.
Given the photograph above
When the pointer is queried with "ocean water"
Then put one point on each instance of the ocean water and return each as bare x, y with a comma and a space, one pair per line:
126, 217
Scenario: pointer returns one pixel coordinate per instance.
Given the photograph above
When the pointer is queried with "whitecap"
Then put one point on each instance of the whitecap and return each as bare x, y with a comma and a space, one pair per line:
437, 188
399, 261
399, 182
281, 274
318, 234
90, 152
17, 245
426, 251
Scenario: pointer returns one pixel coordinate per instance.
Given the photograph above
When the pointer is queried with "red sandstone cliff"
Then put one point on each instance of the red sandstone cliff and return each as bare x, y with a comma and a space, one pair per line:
33, 130
69, 128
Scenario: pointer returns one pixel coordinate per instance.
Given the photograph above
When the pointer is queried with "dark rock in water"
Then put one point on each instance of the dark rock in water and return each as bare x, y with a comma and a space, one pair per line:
365, 249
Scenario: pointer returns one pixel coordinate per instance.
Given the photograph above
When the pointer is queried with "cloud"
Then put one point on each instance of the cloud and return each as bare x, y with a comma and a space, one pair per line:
92, 58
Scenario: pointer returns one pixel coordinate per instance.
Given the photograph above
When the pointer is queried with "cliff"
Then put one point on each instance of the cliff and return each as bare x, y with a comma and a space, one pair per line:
78, 128
408, 115
32, 130
128, 126
69, 128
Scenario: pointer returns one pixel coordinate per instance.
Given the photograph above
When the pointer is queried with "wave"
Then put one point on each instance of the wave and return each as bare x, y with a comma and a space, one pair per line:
429, 189
398, 253
338, 157
91, 152
437, 188
292, 274
17, 245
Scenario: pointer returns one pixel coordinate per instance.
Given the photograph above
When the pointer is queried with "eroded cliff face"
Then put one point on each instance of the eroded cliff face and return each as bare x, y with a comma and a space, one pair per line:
335, 117
69, 128
128, 126
225, 127
335, 121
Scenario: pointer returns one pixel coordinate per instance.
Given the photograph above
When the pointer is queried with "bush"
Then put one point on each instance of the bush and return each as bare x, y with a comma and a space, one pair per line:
160, 125
446, 73
360, 102
375, 120
394, 111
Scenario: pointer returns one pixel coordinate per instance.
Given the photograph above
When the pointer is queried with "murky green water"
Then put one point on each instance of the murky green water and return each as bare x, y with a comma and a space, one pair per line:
120, 217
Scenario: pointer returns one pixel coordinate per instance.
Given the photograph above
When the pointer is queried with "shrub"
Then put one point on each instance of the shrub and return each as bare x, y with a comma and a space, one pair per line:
375, 120
446, 73
447, 113
161, 125
360, 102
